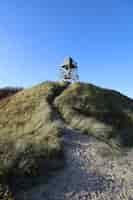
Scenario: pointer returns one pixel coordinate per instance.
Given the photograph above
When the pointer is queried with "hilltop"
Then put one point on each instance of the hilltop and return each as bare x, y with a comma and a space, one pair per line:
9, 91
33, 121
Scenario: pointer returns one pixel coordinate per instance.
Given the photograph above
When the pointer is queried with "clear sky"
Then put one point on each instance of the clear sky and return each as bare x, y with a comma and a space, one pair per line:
35, 35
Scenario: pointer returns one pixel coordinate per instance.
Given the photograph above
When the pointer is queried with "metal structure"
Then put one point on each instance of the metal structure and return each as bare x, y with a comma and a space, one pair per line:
69, 70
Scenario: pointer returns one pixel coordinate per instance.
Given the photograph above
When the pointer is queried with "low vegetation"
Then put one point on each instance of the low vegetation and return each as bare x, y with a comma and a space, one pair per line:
125, 194
29, 136
9, 91
30, 143
106, 114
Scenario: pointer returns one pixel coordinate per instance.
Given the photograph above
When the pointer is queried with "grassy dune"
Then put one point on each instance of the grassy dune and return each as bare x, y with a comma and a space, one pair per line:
30, 142
106, 114
29, 137
8, 91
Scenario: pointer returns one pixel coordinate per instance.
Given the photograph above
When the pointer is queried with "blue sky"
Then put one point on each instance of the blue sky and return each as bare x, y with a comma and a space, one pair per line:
35, 35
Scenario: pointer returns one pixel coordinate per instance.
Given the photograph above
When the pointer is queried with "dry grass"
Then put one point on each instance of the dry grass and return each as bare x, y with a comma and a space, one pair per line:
29, 137
123, 195
103, 113
5, 194
117, 193
9, 91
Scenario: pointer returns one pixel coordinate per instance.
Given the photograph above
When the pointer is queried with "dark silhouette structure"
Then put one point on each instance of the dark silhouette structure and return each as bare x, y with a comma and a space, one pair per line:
69, 70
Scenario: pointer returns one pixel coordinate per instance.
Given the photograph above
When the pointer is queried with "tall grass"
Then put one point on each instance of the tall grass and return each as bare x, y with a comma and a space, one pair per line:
30, 142
103, 113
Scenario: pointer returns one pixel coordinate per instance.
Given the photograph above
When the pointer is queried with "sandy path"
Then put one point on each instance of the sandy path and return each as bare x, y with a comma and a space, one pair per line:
84, 172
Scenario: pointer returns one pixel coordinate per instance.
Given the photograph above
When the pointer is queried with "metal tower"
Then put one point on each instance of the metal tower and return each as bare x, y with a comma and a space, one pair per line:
69, 70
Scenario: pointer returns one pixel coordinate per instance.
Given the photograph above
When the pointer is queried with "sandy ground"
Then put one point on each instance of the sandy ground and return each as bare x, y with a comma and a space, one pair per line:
89, 171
